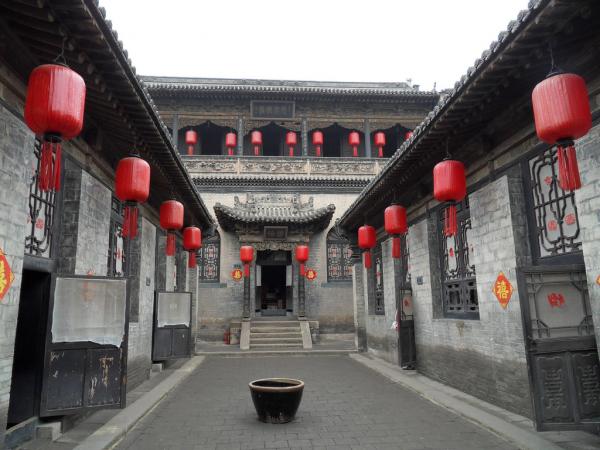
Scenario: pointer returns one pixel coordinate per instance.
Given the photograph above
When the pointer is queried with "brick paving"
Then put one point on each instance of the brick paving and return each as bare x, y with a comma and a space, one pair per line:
345, 406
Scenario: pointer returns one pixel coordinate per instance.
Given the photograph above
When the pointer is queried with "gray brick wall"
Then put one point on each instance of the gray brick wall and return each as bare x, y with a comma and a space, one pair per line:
359, 303
140, 332
67, 240
16, 160
484, 357
93, 227
588, 209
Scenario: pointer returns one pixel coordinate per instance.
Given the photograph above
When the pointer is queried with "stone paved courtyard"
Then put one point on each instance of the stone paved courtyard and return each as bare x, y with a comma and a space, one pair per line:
345, 406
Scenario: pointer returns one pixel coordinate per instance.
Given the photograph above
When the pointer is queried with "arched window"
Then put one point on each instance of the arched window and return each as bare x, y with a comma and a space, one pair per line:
339, 257
209, 259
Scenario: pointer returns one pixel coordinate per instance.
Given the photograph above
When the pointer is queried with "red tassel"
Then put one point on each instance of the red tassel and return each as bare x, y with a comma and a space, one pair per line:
568, 170
45, 172
291, 151
450, 224
170, 250
190, 150
133, 219
302, 270
192, 260
367, 259
125, 231
57, 164
355, 152
246, 270
256, 150
230, 151
318, 150
381, 152
396, 252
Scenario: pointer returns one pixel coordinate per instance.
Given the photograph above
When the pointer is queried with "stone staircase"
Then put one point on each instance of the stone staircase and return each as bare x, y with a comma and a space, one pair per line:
275, 334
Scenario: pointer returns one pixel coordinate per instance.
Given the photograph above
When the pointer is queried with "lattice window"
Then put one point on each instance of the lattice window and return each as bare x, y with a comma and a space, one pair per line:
556, 221
209, 259
377, 272
41, 214
339, 258
458, 274
116, 243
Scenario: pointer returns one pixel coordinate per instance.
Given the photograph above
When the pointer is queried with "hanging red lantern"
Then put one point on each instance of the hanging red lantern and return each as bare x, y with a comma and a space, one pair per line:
408, 135
132, 186
366, 241
256, 139
449, 185
561, 110
171, 219
395, 224
246, 256
230, 142
302, 253
54, 110
317, 140
354, 142
192, 241
191, 139
380, 142
291, 140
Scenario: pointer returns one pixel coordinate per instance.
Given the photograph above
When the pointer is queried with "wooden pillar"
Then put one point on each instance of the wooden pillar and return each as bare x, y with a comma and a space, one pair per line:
246, 305
240, 136
304, 137
301, 296
367, 139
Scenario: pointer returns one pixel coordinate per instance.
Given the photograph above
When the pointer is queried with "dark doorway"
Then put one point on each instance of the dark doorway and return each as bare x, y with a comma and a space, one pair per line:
211, 139
332, 141
273, 292
28, 360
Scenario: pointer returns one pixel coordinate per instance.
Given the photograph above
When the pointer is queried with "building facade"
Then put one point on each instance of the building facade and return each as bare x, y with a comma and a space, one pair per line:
506, 309
282, 197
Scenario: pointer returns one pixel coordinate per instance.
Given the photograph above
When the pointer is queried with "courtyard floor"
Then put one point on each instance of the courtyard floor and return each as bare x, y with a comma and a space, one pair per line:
345, 406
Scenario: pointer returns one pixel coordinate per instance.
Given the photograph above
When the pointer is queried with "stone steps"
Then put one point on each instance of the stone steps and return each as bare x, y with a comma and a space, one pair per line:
275, 334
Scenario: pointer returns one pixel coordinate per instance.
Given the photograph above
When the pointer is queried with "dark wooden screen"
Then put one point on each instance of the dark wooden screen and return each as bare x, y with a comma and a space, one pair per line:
209, 259
339, 258
377, 272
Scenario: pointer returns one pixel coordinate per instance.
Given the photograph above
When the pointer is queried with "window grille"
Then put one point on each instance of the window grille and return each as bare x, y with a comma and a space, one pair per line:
339, 258
40, 220
116, 243
377, 272
459, 288
209, 259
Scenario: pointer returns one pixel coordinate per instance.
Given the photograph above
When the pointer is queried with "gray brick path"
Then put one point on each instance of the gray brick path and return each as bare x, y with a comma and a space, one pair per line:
345, 406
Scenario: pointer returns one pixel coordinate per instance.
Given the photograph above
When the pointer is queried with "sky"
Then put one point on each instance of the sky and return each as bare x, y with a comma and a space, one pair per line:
426, 41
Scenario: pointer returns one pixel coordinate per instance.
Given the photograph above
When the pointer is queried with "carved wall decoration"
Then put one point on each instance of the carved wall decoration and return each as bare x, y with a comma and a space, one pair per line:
281, 166
345, 168
212, 166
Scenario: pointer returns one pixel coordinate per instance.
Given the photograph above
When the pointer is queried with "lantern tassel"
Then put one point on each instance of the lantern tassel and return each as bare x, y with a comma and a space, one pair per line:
57, 164
355, 151
170, 250
230, 151
256, 150
302, 270
381, 152
125, 230
367, 259
396, 252
246, 270
568, 169
450, 224
190, 150
318, 150
291, 151
133, 219
45, 171
192, 260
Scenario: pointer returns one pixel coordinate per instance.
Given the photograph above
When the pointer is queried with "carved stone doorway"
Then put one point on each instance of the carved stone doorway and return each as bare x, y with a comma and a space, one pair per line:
274, 293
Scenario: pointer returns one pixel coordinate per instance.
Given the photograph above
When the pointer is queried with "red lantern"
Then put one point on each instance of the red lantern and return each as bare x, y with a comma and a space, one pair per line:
246, 256
230, 142
192, 241
317, 140
256, 139
171, 218
354, 142
54, 110
132, 186
395, 224
408, 135
191, 139
449, 185
302, 256
380, 142
366, 241
291, 140
561, 110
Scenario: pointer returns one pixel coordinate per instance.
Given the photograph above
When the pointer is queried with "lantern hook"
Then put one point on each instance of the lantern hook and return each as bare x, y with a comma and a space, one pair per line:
448, 155
60, 58
554, 70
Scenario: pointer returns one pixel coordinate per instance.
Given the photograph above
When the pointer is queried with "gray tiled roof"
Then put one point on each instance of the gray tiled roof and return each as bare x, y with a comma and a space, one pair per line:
273, 214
